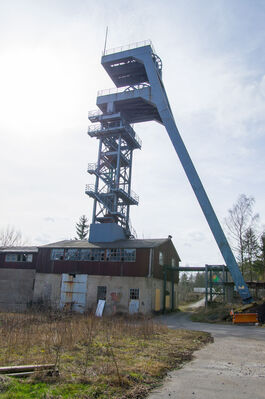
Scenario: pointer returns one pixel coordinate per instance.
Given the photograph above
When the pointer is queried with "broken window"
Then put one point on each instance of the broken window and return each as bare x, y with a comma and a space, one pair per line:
72, 254
102, 292
94, 254
134, 293
120, 255
57, 254
113, 254
85, 254
129, 255
98, 254
19, 258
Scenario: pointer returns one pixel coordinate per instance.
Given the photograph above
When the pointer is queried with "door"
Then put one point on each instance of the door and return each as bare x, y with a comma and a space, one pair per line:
73, 292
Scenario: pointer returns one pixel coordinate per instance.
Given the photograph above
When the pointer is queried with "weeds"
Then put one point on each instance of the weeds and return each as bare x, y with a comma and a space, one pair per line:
95, 357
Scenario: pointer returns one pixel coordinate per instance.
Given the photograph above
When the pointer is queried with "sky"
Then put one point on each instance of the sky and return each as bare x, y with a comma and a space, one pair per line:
213, 54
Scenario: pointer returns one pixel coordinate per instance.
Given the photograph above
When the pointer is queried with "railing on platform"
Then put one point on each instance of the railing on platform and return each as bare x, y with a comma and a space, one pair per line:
130, 46
102, 190
98, 127
132, 230
94, 112
92, 167
132, 194
116, 90
94, 128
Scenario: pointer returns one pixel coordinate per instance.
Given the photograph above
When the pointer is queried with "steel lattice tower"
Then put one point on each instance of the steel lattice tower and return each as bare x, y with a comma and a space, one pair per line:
139, 96
112, 190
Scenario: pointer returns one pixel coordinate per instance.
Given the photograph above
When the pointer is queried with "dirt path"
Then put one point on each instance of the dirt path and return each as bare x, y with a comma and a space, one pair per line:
232, 367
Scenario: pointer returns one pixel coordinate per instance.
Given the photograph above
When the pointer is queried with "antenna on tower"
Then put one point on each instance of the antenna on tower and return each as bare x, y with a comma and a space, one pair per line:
106, 36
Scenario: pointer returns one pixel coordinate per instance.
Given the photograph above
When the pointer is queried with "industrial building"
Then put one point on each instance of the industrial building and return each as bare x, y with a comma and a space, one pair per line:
73, 275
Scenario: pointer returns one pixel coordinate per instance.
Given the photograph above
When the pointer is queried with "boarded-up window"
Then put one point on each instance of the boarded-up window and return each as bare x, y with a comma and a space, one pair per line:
102, 292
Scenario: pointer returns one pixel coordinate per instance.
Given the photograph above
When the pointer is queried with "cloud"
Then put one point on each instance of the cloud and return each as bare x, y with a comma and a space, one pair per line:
49, 219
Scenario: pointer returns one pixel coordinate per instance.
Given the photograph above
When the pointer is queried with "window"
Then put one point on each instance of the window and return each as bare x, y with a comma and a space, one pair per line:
173, 262
29, 258
11, 258
120, 255
72, 254
19, 258
102, 292
134, 293
129, 255
113, 254
98, 254
57, 254
85, 254
94, 254
161, 259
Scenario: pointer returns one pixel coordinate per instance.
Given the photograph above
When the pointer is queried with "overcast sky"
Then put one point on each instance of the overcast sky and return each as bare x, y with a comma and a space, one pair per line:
213, 54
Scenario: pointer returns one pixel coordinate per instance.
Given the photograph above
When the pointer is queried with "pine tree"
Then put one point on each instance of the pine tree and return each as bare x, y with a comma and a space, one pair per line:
251, 250
259, 264
82, 228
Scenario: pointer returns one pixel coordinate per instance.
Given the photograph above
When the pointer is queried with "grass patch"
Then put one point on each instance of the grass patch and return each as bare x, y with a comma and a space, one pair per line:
96, 358
215, 313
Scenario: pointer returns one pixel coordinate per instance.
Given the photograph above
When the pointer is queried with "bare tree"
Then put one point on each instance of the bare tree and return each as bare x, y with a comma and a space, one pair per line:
241, 217
10, 237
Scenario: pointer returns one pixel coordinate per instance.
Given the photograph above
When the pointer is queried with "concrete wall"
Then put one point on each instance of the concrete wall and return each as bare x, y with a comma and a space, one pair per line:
118, 293
16, 289
47, 289
20, 287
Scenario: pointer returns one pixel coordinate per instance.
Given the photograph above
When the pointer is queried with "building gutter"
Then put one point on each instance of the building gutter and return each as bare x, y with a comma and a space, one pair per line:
150, 262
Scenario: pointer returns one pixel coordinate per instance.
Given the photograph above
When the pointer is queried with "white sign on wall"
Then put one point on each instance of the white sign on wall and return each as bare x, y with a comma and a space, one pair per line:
100, 307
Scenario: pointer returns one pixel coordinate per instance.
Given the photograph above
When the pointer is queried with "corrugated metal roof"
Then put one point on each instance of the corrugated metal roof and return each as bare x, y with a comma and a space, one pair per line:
19, 249
151, 243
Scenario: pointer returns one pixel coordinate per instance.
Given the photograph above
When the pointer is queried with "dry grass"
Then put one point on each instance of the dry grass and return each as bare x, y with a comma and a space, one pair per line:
96, 358
215, 313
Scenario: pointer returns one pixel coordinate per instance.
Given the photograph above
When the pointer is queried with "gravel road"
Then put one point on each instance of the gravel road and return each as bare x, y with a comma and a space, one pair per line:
233, 367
